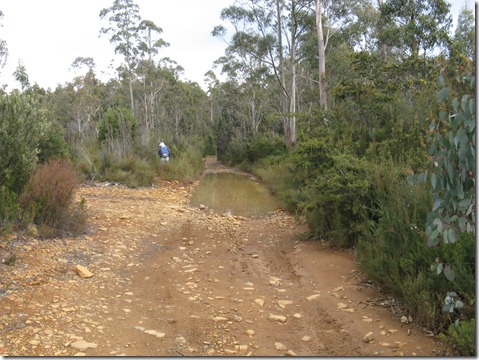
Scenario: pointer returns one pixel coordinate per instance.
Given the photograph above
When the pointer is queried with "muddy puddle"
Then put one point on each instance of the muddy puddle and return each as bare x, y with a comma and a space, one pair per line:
234, 194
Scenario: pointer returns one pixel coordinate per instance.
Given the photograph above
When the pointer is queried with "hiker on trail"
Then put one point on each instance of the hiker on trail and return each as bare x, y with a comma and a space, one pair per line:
164, 152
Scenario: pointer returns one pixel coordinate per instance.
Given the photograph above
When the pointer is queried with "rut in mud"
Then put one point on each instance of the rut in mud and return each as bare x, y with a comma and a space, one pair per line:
172, 280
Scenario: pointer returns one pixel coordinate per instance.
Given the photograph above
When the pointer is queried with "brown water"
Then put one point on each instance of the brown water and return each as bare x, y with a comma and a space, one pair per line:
234, 194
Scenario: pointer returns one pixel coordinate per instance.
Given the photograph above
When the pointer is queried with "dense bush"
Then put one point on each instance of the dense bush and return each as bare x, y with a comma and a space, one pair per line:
332, 190
462, 337
27, 136
131, 171
263, 147
395, 255
48, 199
185, 165
22, 126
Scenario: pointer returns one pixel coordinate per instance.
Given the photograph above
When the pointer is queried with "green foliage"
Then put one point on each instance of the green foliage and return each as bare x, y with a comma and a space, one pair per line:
22, 126
453, 167
263, 147
131, 171
185, 165
53, 144
462, 337
48, 198
332, 191
8, 208
116, 123
395, 254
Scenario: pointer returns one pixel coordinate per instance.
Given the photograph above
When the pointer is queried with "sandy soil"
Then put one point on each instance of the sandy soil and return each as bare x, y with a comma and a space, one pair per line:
172, 280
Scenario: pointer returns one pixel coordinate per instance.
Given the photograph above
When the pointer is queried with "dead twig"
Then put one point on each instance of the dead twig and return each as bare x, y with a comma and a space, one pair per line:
355, 273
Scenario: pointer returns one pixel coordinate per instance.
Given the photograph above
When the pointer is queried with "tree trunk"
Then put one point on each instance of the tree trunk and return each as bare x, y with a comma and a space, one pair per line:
292, 104
323, 97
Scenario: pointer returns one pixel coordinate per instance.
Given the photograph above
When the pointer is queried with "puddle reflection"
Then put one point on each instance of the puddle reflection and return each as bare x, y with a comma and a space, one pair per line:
234, 194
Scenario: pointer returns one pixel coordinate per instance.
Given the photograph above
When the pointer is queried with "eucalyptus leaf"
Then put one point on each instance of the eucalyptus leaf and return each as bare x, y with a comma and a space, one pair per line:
439, 268
442, 94
449, 273
455, 104
434, 181
451, 235
464, 103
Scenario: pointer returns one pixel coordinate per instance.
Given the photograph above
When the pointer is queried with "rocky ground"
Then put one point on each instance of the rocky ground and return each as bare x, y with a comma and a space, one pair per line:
161, 278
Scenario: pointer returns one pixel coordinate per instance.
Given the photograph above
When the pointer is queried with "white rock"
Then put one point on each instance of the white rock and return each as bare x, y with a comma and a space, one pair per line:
274, 281
83, 345
283, 303
219, 319
340, 306
278, 318
260, 302
368, 337
279, 346
312, 297
155, 333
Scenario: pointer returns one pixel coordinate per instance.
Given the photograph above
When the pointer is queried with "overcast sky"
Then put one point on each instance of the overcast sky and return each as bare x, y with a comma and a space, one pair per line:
47, 36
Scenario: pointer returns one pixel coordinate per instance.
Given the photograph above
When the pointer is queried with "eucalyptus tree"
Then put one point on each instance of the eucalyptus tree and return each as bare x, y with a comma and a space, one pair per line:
21, 76
465, 34
414, 27
266, 33
81, 102
150, 77
123, 22
3, 48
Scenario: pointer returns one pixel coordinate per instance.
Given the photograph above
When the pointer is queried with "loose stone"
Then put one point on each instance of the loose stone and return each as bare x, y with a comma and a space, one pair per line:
278, 318
83, 345
368, 337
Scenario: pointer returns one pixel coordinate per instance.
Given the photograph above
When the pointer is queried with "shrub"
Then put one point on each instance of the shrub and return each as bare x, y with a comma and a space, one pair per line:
462, 337
332, 190
21, 128
262, 147
8, 208
48, 198
131, 171
395, 254
185, 165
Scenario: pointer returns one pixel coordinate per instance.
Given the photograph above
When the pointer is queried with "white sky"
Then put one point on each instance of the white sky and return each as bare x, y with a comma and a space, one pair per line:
47, 36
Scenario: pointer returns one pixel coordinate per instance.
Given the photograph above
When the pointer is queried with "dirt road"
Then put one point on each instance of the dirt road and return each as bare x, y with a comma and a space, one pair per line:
171, 280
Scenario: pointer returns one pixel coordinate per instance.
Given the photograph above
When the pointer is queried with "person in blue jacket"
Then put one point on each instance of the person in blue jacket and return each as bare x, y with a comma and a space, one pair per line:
164, 152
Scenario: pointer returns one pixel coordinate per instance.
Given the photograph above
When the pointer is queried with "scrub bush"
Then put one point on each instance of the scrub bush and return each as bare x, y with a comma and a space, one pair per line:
462, 337
332, 190
131, 171
48, 199
185, 165
395, 254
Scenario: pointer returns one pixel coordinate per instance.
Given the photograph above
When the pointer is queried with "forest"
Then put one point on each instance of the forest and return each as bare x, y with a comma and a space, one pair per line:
358, 115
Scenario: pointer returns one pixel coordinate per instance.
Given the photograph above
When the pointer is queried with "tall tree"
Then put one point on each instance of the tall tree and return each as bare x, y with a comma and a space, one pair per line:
415, 26
3, 48
149, 46
323, 100
465, 34
123, 19
268, 34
